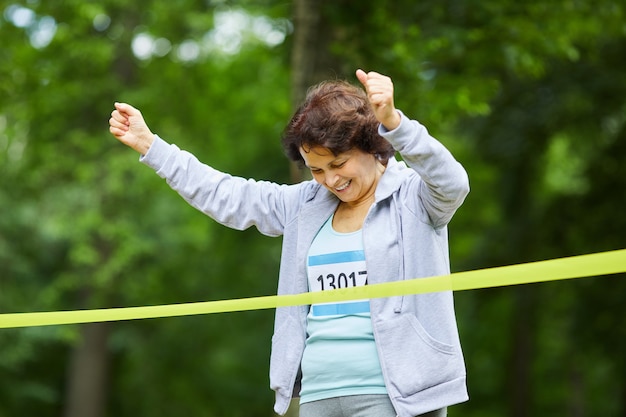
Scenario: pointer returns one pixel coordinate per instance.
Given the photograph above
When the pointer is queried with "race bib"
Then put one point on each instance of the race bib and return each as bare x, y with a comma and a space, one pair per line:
334, 271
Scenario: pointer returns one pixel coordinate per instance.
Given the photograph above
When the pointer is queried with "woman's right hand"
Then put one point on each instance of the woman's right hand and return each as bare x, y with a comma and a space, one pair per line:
129, 127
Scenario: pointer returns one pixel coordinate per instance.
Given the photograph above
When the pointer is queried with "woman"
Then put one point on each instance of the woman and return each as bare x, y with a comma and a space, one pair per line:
364, 218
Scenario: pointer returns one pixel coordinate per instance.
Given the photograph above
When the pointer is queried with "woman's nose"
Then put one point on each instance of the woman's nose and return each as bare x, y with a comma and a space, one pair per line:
331, 179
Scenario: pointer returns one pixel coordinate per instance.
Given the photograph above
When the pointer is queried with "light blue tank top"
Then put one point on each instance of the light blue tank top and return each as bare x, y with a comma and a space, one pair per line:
340, 355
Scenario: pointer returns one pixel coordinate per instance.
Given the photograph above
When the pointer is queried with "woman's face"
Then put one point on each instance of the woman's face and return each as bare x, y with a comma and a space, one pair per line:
352, 175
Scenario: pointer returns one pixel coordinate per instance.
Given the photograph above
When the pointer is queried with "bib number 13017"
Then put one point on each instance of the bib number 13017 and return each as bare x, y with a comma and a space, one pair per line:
342, 280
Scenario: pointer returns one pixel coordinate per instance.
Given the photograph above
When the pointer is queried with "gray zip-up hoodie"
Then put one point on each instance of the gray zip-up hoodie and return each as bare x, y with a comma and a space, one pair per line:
404, 237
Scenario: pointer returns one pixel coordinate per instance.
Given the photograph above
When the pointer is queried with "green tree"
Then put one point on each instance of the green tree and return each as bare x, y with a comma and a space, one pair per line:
88, 227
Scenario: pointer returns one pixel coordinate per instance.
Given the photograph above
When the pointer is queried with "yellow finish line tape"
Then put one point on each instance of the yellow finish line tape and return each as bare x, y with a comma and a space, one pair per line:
603, 263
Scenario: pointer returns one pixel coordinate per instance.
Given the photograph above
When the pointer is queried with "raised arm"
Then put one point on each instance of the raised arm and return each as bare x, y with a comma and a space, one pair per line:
235, 202
444, 183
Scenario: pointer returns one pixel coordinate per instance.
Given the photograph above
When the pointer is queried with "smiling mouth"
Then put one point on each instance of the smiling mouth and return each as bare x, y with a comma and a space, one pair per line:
344, 186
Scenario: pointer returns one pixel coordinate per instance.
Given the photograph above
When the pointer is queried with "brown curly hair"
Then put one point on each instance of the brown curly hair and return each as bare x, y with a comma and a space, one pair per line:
335, 115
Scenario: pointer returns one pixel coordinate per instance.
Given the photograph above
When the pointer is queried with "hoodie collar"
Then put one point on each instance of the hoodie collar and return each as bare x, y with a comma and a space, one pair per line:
395, 173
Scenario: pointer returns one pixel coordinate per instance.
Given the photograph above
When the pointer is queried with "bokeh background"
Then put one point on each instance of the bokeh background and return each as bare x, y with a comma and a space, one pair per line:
529, 96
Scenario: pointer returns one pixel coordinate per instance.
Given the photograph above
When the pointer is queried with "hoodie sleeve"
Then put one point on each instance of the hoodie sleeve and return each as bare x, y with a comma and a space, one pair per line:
235, 202
443, 183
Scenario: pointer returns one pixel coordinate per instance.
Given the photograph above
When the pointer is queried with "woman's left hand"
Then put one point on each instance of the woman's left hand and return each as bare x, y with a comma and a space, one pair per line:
379, 89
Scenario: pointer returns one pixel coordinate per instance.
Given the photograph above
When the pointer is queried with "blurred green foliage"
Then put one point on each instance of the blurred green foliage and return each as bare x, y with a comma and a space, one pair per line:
528, 96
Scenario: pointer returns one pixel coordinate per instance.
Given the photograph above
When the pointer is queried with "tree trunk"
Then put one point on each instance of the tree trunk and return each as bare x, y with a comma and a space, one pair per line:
87, 376
522, 354
311, 60
306, 18
576, 406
